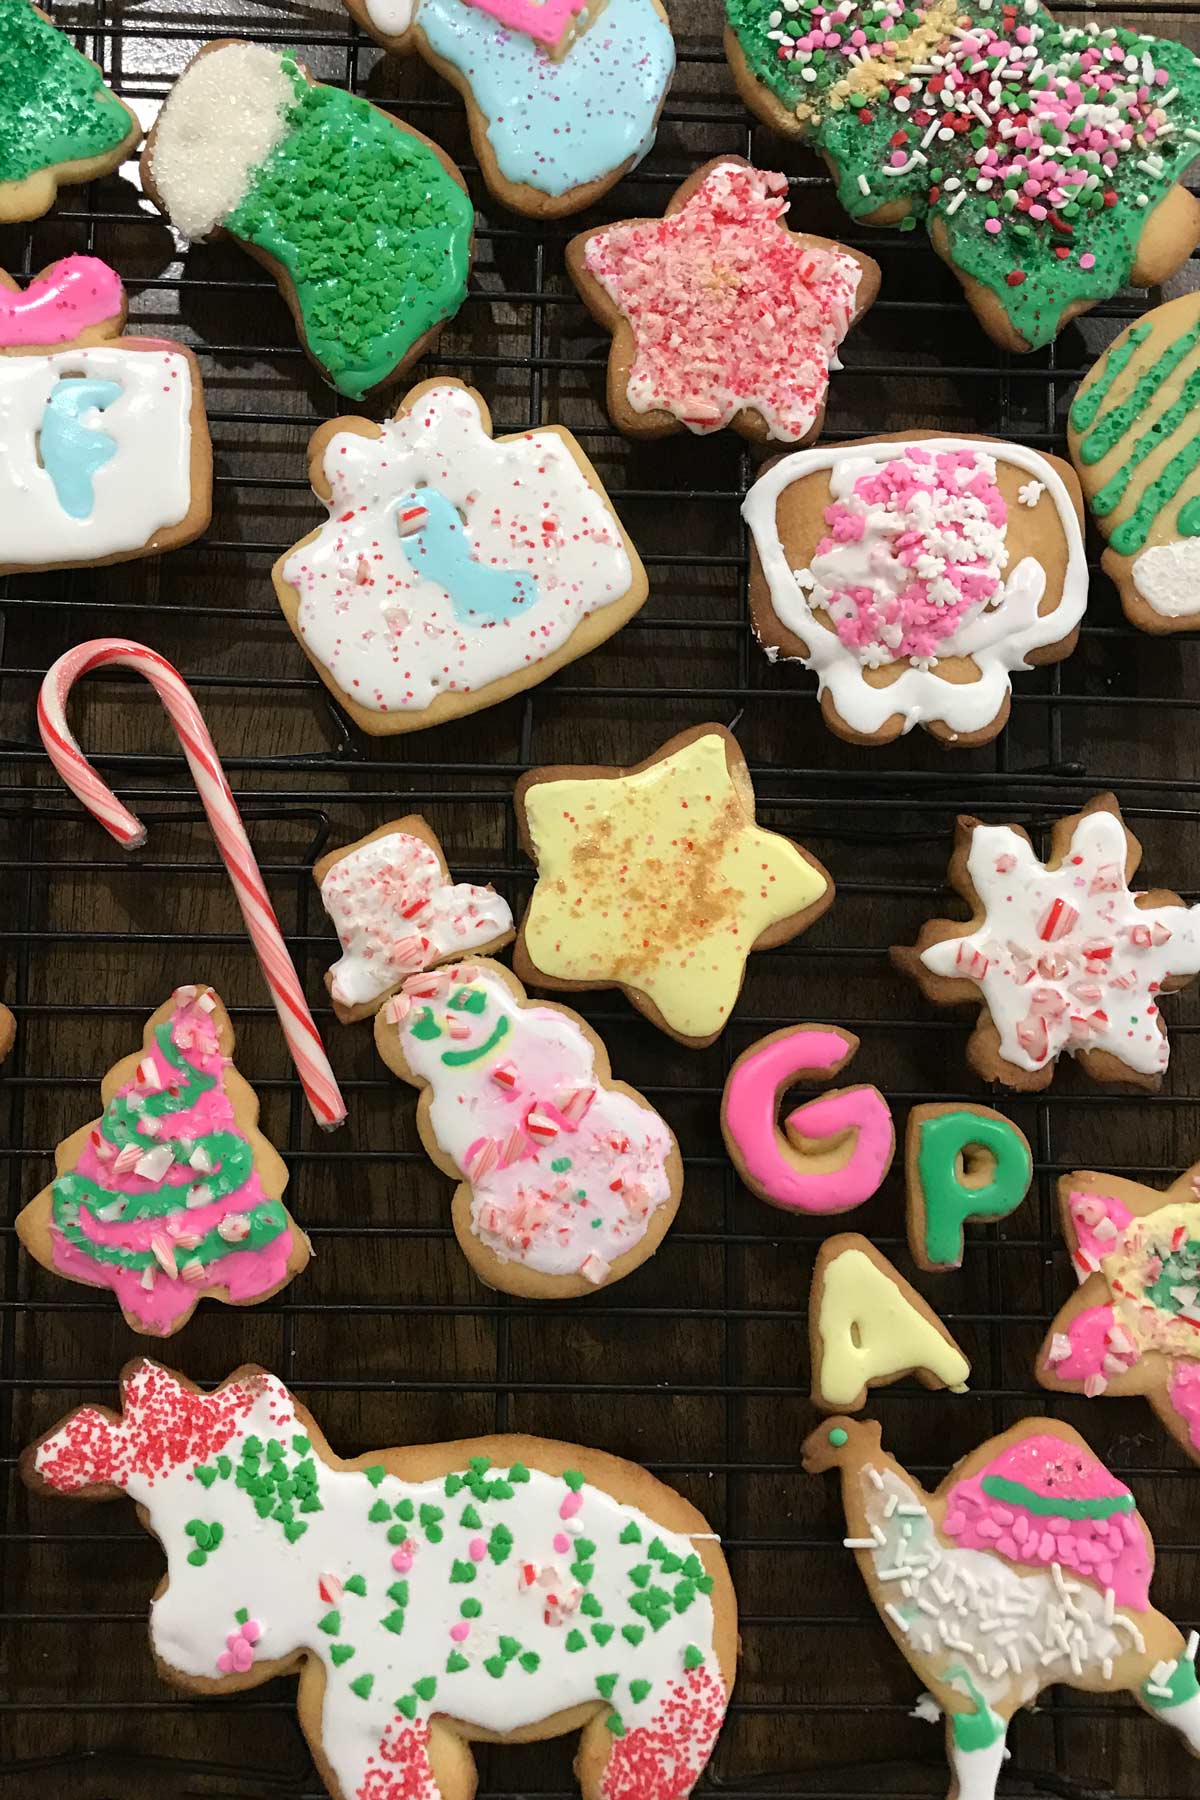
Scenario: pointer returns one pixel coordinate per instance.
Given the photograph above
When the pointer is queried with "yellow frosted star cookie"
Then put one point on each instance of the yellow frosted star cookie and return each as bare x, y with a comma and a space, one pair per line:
658, 880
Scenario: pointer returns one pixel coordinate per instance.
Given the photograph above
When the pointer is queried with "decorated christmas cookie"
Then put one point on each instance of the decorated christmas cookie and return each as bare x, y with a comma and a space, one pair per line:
568, 1179
914, 574
1042, 159
658, 880
104, 445
455, 569
397, 910
1133, 1325
173, 1194
8, 1031
1134, 433
502, 1587
59, 124
832, 1153
365, 224
562, 96
963, 1164
1060, 957
720, 314
1028, 1567
868, 1327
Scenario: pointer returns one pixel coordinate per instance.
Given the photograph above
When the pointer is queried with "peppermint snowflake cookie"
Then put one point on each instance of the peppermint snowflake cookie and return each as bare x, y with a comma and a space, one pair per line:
365, 224
1133, 1324
60, 125
720, 314
1134, 434
397, 911
1060, 957
913, 574
659, 880
507, 1588
104, 447
455, 569
1043, 159
1029, 1566
568, 1179
562, 96
173, 1194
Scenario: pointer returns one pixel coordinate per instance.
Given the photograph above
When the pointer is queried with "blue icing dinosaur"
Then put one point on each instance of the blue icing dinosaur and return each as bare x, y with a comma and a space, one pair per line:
72, 451
438, 549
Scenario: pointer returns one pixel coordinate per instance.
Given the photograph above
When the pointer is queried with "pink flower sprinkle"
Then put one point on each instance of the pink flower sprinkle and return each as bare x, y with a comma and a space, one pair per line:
402, 1559
460, 1631
477, 1549
562, 1542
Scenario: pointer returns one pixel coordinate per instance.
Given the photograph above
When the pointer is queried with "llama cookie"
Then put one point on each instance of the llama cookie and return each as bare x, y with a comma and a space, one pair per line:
173, 1194
1042, 159
659, 880
365, 224
1133, 1324
963, 1164
685, 297
563, 96
568, 1180
498, 1588
1029, 1567
1134, 434
832, 1153
397, 911
913, 575
1060, 957
455, 569
60, 125
868, 1327
104, 447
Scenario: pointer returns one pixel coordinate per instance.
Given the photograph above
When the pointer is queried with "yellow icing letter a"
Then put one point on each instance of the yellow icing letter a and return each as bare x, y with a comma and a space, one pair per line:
872, 1327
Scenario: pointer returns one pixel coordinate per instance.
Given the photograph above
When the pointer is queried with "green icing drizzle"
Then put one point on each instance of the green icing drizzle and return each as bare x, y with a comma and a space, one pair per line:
974, 1730
266, 1223
1103, 216
1052, 1506
54, 106
1181, 1682
458, 1059
1092, 396
1188, 522
1112, 427
373, 231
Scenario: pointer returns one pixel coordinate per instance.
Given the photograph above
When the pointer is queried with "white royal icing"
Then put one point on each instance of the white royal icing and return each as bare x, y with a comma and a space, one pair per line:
1168, 578
135, 454
525, 1602
527, 1101
1064, 959
999, 634
391, 17
395, 912
395, 639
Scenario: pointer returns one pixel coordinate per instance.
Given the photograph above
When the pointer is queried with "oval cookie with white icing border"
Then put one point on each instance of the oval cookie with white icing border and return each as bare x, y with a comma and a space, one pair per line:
456, 568
687, 297
913, 574
1134, 436
1061, 957
397, 910
523, 67
568, 1180
505, 1588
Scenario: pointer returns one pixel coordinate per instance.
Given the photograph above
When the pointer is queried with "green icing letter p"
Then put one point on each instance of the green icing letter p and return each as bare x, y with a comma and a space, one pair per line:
946, 1188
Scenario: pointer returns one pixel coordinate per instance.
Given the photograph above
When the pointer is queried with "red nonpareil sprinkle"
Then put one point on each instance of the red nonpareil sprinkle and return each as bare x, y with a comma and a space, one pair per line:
163, 1425
1016, 278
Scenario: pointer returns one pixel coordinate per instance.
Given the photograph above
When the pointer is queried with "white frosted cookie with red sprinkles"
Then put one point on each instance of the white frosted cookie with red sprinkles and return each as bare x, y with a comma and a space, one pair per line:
720, 314
455, 569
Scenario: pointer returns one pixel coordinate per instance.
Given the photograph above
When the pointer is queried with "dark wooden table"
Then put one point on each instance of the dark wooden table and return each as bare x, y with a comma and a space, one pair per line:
697, 1365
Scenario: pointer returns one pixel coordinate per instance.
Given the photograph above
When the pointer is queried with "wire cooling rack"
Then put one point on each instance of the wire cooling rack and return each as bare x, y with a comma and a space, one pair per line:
697, 1364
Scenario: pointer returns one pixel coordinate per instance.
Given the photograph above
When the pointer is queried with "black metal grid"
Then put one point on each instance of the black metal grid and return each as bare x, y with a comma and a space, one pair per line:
696, 1366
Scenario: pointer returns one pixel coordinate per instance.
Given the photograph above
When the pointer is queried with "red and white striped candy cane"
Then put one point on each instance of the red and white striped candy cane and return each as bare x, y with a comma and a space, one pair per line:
303, 1038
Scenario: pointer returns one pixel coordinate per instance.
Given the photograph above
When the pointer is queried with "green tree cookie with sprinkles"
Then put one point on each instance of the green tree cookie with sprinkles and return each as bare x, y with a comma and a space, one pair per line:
1042, 159
59, 124
365, 224
172, 1194
505, 1588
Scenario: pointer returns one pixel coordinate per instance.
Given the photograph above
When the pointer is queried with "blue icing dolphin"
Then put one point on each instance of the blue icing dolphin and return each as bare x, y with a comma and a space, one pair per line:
439, 550
72, 451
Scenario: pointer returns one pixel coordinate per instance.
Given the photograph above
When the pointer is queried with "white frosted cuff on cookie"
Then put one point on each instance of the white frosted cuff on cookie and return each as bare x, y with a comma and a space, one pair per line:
1168, 578
222, 119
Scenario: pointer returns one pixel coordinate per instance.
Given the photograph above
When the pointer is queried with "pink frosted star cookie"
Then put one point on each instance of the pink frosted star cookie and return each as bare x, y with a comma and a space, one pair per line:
720, 314
1060, 957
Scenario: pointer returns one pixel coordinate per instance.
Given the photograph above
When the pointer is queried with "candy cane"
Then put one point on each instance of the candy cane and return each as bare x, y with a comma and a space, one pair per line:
303, 1038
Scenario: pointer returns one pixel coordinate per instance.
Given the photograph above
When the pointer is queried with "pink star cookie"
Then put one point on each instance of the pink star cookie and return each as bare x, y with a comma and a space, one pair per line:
720, 314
